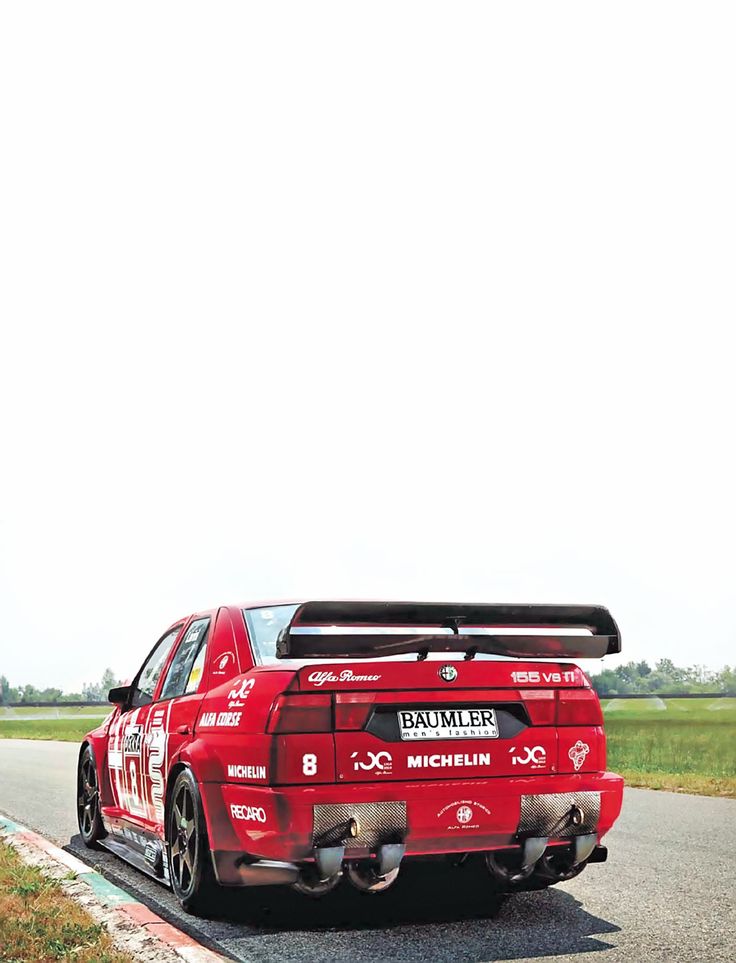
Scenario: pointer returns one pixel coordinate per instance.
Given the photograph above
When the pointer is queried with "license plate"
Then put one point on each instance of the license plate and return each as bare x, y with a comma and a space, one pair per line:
465, 723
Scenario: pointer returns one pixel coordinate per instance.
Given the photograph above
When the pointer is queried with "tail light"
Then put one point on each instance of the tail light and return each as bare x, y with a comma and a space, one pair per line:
352, 709
540, 706
578, 707
301, 713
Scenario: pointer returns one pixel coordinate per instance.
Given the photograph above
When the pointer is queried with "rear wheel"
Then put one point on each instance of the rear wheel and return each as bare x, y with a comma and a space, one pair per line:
190, 869
88, 799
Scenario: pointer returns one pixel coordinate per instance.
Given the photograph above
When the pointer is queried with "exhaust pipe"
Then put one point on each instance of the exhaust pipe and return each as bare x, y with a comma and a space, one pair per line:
584, 846
329, 860
532, 850
559, 865
267, 872
319, 878
377, 877
389, 857
309, 883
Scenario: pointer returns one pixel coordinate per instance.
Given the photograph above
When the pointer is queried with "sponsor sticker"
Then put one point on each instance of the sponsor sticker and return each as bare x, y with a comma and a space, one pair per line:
577, 754
235, 771
463, 814
220, 720
248, 814
152, 852
136, 838
133, 740
193, 632
347, 675
238, 694
457, 723
380, 762
535, 757
224, 663
451, 760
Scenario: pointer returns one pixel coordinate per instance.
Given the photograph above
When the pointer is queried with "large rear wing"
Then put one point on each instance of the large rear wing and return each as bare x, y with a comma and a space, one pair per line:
365, 630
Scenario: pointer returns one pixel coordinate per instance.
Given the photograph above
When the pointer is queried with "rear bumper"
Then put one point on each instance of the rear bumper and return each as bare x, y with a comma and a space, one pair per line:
287, 823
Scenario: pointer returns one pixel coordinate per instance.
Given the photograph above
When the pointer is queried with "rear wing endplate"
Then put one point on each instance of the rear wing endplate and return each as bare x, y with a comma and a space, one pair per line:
350, 630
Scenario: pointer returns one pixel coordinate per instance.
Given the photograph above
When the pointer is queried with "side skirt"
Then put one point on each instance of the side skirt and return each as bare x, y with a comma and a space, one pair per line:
139, 848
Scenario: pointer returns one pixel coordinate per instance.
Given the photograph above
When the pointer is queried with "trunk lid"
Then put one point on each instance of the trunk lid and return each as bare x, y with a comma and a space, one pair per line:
368, 675
438, 719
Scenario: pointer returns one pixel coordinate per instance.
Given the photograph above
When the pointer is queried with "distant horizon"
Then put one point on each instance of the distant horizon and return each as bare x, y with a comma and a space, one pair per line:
589, 666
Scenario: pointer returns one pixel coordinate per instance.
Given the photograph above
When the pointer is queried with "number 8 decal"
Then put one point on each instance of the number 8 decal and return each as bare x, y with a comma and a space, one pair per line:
134, 783
309, 764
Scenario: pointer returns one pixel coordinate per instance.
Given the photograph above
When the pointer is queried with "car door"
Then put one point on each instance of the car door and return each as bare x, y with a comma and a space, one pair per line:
126, 748
171, 718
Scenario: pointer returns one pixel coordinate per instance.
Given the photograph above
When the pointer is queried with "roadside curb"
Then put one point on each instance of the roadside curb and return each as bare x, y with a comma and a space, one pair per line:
116, 905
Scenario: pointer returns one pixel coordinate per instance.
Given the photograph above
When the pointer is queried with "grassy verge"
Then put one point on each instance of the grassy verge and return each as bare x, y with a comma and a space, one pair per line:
64, 730
688, 782
679, 744
53, 712
38, 922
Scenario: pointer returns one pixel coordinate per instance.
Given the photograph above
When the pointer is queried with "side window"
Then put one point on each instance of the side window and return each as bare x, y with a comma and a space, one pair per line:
182, 676
195, 676
152, 668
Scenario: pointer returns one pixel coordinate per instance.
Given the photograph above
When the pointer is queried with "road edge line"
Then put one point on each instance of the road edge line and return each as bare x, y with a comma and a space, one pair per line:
108, 895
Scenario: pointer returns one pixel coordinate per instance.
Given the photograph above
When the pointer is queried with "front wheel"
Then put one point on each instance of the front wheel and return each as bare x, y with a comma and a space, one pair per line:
88, 799
190, 870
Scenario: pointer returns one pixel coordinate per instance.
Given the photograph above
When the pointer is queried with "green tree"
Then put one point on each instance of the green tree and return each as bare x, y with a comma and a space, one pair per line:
97, 691
608, 682
29, 693
726, 680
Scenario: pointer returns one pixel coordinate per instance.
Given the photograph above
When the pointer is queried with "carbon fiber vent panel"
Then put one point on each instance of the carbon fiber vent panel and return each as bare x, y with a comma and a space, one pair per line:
550, 814
378, 823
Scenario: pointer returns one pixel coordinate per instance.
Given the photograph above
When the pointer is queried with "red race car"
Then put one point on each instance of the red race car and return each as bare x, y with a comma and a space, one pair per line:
294, 743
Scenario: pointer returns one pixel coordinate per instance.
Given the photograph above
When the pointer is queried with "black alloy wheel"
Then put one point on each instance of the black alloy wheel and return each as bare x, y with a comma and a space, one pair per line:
88, 800
189, 863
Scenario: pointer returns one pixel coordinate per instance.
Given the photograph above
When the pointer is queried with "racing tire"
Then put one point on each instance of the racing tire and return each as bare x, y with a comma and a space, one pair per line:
190, 866
89, 819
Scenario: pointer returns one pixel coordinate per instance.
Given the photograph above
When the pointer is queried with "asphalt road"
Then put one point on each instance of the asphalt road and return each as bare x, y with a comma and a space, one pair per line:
667, 892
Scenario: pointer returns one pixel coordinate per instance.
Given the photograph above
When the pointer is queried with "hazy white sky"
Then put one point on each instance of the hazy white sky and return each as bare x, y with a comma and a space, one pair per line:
406, 300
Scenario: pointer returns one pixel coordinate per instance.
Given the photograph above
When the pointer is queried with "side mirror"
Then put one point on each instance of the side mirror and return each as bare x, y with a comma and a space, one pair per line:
120, 695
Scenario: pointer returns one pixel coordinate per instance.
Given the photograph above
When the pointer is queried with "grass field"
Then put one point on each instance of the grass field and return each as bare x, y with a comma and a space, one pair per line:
64, 730
685, 744
67, 723
38, 922
53, 712
680, 744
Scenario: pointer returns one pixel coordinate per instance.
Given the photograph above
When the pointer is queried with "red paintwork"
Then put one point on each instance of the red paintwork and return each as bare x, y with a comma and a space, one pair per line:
279, 777
287, 831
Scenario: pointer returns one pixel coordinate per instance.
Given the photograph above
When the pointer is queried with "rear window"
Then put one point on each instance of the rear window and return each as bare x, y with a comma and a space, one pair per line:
264, 625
